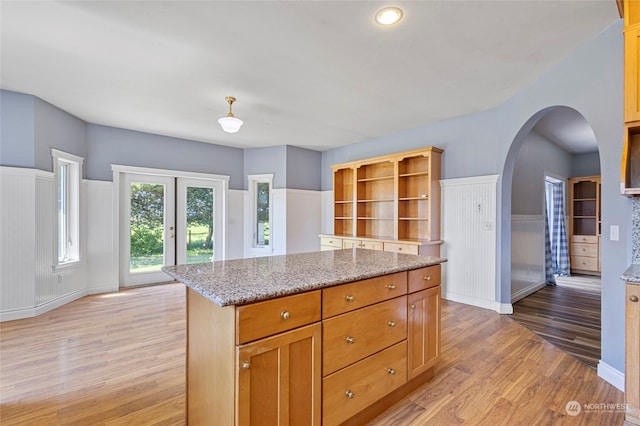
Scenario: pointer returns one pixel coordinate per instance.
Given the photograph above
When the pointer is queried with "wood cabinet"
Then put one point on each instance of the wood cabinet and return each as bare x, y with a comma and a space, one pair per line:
584, 224
273, 378
423, 248
340, 354
632, 361
630, 170
393, 197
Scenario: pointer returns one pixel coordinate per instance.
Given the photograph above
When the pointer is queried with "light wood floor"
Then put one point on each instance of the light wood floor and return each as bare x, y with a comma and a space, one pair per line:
119, 360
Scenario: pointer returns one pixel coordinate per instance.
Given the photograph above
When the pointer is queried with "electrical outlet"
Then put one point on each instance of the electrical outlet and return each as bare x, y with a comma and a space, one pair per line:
614, 233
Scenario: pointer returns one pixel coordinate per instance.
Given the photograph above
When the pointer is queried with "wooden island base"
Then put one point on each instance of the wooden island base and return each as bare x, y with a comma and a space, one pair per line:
337, 355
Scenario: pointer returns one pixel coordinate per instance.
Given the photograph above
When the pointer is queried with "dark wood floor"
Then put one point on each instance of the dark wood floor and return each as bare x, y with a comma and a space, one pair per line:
118, 359
565, 317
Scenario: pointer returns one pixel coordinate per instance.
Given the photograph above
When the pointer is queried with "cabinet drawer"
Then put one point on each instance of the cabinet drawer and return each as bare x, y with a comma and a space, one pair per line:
584, 263
592, 239
354, 388
348, 297
261, 319
371, 245
584, 249
401, 248
422, 278
331, 242
350, 337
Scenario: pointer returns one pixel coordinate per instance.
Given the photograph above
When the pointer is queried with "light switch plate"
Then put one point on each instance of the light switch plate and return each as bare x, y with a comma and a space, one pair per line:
614, 233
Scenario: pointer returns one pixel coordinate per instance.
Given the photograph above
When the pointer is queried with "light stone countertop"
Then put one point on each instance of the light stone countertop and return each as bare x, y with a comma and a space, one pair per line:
632, 274
241, 281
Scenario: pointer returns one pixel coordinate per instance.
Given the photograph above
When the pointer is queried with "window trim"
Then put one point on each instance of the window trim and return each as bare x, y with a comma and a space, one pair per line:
73, 164
253, 181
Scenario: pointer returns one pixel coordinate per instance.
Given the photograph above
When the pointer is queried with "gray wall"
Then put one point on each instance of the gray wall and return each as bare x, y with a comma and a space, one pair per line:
110, 145
537, 156
259, 161
586, 165
17, 116
303, 168
292, 167
60, 130
589, 81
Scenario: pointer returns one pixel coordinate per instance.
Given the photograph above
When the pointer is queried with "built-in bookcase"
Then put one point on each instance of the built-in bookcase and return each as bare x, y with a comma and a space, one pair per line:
397, 197
584, 224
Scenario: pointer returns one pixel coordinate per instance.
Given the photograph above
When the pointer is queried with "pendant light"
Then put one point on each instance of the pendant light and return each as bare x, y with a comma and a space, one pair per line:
230, 124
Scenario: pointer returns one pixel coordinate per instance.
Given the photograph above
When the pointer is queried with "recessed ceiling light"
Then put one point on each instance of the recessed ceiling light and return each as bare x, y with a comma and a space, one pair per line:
389, 16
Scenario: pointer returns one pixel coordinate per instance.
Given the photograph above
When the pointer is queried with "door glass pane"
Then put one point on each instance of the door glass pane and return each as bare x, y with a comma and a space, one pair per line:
262, 214
200, 224
147, 227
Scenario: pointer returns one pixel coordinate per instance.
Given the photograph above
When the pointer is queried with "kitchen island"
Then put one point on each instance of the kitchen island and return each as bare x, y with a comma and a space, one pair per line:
326, 338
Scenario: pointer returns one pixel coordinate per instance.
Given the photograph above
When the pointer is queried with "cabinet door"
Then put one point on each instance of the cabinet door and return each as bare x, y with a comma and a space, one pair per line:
632, 367
279, 379
631, 76
423, 331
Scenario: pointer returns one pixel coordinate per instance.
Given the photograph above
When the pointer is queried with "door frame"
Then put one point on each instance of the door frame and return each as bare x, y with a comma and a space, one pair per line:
119, 170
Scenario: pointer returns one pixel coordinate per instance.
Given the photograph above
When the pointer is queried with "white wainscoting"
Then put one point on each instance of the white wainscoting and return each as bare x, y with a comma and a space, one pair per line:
527, 255
296, 222
17, 242
469, 234
304, 218
235, 224
102, 268
326, 204
29, 285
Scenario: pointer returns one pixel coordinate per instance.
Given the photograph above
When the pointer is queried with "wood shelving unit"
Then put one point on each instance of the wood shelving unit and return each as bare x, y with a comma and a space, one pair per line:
394, 197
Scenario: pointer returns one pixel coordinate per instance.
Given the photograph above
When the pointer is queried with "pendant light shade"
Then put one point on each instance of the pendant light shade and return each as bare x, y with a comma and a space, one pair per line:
230, 124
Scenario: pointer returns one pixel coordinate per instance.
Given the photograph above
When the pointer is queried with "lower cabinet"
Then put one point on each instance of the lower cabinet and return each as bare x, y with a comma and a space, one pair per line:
278, 379
423, 331
632, 362
321, 357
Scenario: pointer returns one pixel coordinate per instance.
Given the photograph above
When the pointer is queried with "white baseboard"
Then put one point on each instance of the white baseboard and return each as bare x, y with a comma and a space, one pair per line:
56, 303
16, 314
526, 291
501, 308
611, 375
103, 289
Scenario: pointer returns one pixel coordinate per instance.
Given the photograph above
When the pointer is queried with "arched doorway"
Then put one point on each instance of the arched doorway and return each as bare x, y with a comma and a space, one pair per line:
555, 144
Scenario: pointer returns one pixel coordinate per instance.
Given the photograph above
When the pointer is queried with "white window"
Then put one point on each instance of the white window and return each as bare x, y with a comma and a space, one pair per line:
67, 170
261, 202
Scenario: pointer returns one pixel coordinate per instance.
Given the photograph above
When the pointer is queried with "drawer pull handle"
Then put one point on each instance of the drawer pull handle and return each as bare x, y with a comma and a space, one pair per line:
350, 340
391, 286
412, 306
349, 394
399, 248
246, 365
285, 315
349, 298
633, 298
391, 371
391, 323
427, 278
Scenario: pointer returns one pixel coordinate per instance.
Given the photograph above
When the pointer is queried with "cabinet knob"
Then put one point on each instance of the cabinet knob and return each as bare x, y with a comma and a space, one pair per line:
412, 306
391, 323
285, 315
399, 248
391, 286
633, 298
350, 340
349, 298
349, 394
427, 278
246, 365
391, 371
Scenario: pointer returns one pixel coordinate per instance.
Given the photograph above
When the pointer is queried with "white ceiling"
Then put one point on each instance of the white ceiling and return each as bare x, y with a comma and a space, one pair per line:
314, 74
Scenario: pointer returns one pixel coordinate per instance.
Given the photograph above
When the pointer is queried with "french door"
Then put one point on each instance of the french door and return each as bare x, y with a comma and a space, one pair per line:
167, 220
